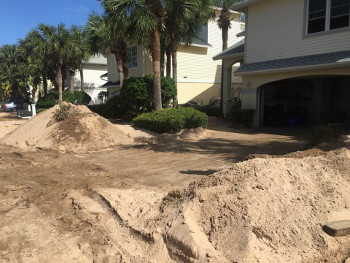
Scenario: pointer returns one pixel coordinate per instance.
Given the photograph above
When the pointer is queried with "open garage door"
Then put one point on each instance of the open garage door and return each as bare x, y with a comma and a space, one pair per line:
298, 101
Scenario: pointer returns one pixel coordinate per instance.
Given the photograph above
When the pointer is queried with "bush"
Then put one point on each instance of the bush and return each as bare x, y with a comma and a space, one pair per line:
114, 108
172, 120
323, 133
241, 116
51, 99
136, 97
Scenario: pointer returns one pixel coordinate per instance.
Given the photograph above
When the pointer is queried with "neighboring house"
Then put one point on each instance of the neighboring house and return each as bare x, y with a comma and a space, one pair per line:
296, 60
199, 77
94, 69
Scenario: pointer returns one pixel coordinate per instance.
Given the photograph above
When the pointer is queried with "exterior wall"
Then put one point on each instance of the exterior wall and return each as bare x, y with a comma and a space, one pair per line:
199, 92
251, 84
92, 76
275, 29
93, 93
195, 64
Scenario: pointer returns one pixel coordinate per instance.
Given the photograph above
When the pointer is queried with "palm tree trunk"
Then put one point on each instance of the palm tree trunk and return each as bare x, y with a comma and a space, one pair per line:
168, 62
155, 48
224, 37
123, 53
120, 69
82, 82
174, 57
162, 63
71, 80
59, 82
44, 83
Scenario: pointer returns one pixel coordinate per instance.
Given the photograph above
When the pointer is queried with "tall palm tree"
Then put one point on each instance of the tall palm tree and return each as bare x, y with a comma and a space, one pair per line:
105, 32
224, 21
56, 39
77, 52
184, 18
147, 21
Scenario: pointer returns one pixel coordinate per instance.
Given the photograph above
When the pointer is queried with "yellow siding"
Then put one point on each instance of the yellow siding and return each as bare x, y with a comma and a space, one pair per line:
275, 29
199, 92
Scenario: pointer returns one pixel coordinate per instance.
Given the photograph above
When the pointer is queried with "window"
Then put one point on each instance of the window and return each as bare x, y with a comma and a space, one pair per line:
132, 57
325, 15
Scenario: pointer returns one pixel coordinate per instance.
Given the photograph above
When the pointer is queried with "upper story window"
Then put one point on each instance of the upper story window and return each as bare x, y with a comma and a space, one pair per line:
325, 15
132, 57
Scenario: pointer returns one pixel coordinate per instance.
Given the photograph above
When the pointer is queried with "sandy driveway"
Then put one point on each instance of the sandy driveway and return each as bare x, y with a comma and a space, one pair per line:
74, 207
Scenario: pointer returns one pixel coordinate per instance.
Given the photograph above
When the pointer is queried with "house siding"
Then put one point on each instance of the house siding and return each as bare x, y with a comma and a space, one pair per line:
276, 29
196, 64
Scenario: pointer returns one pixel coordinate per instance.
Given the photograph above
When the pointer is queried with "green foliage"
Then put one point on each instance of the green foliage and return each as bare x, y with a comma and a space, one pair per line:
242, 116
51, 99
114, 108
210, 110
172, 120
323, 133
135, 98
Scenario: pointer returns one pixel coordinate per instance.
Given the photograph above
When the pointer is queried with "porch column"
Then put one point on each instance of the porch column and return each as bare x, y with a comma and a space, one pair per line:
250, 99
227, 79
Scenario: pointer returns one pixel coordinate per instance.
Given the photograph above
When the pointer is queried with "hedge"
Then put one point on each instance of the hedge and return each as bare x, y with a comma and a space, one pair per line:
241, 116
51, 99
172, 120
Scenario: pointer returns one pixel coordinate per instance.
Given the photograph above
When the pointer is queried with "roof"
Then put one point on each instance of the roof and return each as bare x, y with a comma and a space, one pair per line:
110, 83
235, 50
197, 42
243, 3
311, 61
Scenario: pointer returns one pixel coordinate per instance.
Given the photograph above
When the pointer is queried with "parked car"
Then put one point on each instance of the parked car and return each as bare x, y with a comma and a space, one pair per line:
15, 105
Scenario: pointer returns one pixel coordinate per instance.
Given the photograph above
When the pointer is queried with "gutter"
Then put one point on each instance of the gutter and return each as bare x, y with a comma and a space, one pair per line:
291, 69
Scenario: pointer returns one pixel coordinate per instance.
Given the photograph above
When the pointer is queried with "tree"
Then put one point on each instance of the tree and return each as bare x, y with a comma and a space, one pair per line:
184, 18
55, 42
13, 69
77, 52
224, 21
146, 22
105, 32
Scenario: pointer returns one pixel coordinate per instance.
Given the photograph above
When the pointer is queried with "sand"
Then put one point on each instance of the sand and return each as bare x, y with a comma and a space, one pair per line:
136, 203
264, 210
82, 131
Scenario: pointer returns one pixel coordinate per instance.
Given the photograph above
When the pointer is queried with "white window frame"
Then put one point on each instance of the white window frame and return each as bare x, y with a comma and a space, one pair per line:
328, 20
131, 54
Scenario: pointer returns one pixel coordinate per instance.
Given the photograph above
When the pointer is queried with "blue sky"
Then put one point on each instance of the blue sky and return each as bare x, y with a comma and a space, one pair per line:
18, 17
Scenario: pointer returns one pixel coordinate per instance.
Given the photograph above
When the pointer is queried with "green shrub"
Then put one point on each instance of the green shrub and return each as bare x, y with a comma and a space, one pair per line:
51, 99
172, 120
323, 133
241, 116
137, 94
114, 108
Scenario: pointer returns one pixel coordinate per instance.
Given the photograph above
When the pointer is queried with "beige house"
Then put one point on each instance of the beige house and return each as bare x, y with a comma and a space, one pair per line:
296, 60
199, 77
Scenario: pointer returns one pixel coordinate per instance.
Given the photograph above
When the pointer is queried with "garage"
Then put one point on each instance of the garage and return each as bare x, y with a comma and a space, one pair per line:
305, 100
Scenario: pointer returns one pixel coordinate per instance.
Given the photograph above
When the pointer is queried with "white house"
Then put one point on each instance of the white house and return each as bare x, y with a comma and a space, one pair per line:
296, 60
199, 77
94, 70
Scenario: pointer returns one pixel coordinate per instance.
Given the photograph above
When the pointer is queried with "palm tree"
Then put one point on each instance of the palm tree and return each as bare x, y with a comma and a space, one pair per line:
224, 21
184, 18
77, 52
147, 21
55, 39
104, 33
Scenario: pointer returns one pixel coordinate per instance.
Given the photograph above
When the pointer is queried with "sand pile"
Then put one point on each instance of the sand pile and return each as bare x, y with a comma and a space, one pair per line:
262, 210
81, 131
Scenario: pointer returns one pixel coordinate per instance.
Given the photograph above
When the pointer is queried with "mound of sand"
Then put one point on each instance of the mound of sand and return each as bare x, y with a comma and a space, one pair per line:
262, 210
82, 131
